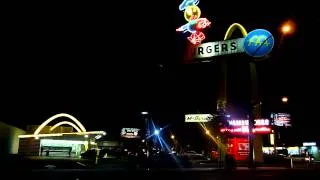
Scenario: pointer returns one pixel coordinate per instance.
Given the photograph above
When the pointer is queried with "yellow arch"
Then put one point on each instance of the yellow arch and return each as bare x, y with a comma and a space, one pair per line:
68, 123
37, 131
233, 27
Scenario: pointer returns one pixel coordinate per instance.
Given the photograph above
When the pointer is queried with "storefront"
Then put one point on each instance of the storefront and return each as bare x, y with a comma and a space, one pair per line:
238, 137
58, 140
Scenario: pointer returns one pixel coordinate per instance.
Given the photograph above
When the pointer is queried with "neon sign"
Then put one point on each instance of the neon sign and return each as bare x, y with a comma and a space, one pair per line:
257, 122
195, 24
187, 3
245, 130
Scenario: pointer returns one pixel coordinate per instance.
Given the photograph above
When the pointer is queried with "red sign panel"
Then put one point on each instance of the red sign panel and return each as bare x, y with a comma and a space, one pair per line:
239, 148
245, 130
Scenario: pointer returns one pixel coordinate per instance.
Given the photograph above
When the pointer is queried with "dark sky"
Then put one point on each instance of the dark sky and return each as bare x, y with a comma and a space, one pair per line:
105, 67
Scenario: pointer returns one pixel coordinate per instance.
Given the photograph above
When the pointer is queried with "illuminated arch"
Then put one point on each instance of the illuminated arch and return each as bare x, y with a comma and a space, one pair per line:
68, 123
37, 131
233, 27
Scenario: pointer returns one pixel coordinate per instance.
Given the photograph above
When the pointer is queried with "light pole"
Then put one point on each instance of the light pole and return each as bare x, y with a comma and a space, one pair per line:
287, 28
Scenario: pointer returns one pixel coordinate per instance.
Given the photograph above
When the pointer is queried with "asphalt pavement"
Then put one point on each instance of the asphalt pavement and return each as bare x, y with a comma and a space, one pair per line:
214, 174
80, 169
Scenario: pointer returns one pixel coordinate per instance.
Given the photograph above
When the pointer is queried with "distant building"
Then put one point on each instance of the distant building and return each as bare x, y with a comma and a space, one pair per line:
9, 140
57, 139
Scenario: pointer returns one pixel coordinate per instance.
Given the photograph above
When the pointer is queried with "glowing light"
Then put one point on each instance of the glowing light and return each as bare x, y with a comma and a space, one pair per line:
272, 139
62, 134
192, 13
65, 122
195, 24
242, 122
37, 131
156, 132
245, 130
172, 137
197, 37
288, 27
207, 131
202, 23
49, 142
284, 99
232, 28
187, 3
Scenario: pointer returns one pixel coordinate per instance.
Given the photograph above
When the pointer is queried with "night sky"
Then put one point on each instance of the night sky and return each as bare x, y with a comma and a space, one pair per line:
105, 68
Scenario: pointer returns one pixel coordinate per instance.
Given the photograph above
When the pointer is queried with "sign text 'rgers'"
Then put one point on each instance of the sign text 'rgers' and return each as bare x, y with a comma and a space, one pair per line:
220, 48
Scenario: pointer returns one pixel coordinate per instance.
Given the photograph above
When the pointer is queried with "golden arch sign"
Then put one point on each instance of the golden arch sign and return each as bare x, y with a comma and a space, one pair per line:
228, 46
232, 28
77, 124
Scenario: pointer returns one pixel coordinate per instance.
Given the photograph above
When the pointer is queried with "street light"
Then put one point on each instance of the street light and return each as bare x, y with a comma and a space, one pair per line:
156, 132
172, 136
287, 27
284, 99
207, 131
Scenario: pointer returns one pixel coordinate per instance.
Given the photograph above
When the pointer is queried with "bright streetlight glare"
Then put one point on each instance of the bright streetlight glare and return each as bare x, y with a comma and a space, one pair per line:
287, 27
144, 113
172, 137
284, 99
156, 132
207, 131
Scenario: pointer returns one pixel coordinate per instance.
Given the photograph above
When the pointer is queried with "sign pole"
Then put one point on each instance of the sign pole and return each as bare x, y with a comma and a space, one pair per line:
254, 111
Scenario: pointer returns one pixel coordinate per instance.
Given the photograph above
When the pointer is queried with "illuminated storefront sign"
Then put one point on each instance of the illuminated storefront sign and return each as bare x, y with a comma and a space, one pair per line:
309, 144
130, 133
198, 117
242, 126
257, 43
239, 148
281, 119
194, 23
257, 122
245, 130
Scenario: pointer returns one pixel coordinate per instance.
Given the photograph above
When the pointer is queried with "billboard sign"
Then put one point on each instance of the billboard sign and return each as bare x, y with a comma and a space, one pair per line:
198, 117
220, 48
130, 133
241, 126
257, 43
281, 119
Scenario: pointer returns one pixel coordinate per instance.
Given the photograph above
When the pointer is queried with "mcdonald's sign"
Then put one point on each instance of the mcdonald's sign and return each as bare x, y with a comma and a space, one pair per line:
256, 43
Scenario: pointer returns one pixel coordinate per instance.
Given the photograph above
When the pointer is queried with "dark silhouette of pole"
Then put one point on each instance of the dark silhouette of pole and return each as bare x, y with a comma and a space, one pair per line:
254, 111
222, 96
